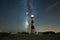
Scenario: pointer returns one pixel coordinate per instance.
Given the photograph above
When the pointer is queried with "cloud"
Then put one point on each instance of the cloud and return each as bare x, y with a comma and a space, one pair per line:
53, 5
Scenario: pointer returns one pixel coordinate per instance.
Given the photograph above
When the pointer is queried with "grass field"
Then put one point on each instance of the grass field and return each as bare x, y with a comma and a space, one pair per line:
30, 37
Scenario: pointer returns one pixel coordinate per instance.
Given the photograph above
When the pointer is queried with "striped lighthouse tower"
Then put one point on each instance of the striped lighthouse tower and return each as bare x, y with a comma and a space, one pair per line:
32, 25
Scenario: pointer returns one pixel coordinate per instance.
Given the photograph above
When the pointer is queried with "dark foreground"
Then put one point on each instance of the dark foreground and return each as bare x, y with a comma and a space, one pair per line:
30, 37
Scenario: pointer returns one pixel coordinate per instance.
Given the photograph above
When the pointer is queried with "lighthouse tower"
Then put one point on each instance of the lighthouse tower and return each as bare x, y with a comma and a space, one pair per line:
32, 25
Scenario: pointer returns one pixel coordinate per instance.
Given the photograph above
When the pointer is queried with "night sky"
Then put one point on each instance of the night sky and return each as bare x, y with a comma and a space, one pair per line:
13, 15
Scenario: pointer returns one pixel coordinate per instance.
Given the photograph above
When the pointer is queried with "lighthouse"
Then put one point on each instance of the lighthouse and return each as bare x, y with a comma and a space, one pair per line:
29, 18
32, 25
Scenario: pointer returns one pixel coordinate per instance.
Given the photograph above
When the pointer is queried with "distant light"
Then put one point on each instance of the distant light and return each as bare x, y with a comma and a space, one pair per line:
26, 24
32, 15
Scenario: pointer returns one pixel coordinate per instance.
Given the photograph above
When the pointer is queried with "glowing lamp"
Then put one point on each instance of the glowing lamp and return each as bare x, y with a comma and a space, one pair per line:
32, 15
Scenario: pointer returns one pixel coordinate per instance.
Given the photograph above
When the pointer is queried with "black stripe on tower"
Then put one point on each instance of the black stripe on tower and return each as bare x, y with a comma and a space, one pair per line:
32, 27
32, 21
